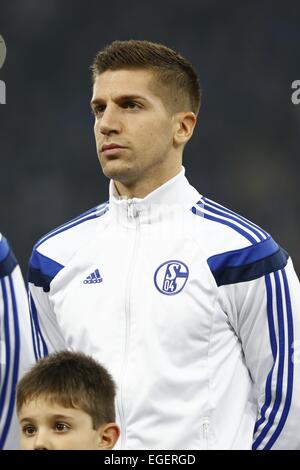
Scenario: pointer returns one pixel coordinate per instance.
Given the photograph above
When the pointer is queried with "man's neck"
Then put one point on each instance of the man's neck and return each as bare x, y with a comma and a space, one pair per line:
141, 189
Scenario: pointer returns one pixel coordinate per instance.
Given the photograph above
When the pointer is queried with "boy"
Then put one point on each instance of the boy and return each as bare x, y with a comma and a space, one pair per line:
66, 402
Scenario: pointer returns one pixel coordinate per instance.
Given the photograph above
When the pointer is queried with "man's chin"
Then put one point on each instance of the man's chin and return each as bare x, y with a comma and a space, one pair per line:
117, 170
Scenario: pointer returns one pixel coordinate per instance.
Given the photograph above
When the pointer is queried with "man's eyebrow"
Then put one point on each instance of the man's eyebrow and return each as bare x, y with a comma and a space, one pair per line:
119, 98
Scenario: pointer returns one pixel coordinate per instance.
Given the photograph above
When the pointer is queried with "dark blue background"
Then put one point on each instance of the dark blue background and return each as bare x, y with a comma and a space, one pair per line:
244, 154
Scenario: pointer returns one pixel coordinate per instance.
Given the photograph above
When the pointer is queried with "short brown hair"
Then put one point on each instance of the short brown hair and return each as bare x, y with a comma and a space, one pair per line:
174, 72
73, 380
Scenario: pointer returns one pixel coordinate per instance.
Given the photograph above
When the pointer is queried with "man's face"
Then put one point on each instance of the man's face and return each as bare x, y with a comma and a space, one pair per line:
48, 426
131, 116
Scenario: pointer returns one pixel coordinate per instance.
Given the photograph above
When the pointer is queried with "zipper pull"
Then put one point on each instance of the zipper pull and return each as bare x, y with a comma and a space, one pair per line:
130, 210
205, 433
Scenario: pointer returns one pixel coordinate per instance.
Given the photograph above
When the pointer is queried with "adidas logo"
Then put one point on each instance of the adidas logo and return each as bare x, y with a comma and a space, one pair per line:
93, 278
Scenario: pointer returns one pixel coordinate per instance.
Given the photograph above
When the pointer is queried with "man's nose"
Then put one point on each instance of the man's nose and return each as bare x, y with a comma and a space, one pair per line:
110, 121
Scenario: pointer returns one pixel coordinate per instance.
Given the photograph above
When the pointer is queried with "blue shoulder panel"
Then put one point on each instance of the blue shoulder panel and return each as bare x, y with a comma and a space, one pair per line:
8, 261
42, 270
247, 263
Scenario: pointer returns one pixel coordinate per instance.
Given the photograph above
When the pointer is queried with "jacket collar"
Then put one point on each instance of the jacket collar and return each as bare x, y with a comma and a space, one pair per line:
166, 200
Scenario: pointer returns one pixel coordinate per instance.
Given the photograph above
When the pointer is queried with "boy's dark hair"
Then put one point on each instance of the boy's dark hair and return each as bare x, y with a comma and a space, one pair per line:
174, 73
73, 380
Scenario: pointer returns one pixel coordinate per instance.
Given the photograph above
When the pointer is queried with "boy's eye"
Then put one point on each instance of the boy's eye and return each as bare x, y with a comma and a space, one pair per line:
61, 427
29, 430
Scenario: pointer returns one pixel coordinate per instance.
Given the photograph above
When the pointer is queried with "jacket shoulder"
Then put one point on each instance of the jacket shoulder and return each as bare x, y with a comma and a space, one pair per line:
224, 229
53, 251
237, 250
7, 258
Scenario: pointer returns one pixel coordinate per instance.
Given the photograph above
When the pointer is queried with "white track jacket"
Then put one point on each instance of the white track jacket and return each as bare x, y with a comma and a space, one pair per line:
193, 309
16, 353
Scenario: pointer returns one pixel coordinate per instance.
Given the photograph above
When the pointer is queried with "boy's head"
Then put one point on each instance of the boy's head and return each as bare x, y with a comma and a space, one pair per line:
66, 401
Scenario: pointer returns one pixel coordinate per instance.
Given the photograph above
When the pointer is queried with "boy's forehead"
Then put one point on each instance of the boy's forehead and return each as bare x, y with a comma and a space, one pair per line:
48, 408
39, 403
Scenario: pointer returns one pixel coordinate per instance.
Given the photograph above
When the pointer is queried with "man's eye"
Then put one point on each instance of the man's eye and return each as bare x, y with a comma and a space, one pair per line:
29, 430
98, 110
61, 427
131, 104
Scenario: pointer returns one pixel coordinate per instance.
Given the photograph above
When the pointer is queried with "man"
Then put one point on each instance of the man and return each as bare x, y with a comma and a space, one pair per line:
16, 343
193, 309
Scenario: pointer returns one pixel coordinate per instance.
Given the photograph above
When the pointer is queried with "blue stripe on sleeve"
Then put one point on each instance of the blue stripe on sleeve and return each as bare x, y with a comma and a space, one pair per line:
33, 331
234, 217
234, 226
89, 215
270, 314
4, 249
227, 270
42, 270
228, 211
281, 355
38, 332
7, 354
16, 360
8, 261
247, 255
290, 376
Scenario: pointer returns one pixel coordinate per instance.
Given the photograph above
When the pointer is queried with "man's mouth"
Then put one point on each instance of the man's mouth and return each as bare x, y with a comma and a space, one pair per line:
111, 149
110, 146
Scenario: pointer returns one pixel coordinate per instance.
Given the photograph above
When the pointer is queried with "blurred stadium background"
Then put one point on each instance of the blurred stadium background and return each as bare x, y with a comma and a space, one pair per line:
244, 154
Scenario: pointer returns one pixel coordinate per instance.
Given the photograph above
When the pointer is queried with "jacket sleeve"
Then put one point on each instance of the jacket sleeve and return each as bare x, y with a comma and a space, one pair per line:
17, 353
261, 294
47, 333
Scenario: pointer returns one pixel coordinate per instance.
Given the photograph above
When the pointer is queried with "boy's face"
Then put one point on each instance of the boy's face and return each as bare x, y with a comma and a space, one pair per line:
49, 426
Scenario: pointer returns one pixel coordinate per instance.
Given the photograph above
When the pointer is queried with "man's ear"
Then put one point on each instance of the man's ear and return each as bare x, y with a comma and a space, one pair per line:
184, 127
108, 436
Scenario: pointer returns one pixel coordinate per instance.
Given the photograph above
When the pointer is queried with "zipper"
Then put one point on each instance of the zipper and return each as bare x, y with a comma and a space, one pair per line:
205, 433
131, 215
130, 209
